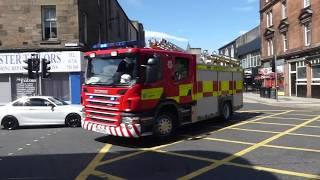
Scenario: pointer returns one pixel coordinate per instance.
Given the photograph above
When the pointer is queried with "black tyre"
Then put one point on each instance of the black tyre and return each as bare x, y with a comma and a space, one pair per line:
164, 127
10, 123
226, 111
73, 120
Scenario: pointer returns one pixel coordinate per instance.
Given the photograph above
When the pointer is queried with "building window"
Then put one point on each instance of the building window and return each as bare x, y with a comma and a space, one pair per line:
284, 9
270, 47
232, 51
269, 19
49, 23
307, 3
285, 41
307, 34
226, 52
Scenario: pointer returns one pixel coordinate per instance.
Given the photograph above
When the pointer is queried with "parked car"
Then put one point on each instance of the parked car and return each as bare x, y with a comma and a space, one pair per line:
39, 110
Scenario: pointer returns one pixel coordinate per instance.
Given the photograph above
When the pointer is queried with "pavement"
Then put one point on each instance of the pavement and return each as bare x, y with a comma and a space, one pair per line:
284, 101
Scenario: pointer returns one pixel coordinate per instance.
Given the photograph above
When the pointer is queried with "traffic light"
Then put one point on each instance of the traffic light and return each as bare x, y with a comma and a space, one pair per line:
29, 68
45, 68
36, 64
273, 64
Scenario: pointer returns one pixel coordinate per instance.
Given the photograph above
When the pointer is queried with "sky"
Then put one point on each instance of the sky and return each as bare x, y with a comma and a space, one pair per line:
206, 24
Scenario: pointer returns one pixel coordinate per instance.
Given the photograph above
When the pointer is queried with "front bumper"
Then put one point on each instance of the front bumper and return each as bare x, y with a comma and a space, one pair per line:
128, 131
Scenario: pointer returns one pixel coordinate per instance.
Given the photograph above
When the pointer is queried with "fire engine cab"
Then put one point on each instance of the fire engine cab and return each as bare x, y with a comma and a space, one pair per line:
131, 91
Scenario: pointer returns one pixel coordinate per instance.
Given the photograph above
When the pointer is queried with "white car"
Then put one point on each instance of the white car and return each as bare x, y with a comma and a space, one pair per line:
39, 110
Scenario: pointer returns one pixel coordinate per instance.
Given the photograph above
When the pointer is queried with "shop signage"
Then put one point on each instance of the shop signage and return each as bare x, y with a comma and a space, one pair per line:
67, 61
25, 87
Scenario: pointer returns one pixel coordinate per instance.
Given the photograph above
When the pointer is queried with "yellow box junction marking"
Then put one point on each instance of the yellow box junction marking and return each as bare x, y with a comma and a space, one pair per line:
90, 169
259, 168
247, 150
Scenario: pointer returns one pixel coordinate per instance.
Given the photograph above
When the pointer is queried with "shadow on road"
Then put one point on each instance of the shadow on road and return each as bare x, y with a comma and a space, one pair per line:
148, 165
201, 128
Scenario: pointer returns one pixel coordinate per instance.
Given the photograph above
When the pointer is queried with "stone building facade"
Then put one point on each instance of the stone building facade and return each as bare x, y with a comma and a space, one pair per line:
291, 35
59, 31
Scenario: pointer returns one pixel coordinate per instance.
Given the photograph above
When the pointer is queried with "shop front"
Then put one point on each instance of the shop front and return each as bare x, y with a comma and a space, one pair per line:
65, 82
305, 77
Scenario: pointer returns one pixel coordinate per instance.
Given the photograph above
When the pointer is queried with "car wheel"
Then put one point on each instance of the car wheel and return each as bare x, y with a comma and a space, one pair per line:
10, 123
73, 120
164, 126
226, 111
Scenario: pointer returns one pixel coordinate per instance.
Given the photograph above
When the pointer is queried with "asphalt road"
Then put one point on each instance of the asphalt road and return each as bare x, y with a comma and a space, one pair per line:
260, 142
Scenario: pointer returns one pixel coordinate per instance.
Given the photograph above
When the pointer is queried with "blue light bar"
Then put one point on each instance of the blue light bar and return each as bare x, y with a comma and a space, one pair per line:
121, 44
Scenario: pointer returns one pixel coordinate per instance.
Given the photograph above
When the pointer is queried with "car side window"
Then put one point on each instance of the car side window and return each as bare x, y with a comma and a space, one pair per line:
37, 102
181, 69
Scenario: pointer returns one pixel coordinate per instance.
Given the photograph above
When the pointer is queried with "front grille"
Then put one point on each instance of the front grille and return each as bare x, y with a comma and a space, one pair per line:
103, 108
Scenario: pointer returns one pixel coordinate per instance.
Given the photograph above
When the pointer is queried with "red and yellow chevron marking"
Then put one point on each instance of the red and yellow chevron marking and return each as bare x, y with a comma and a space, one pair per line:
187, 93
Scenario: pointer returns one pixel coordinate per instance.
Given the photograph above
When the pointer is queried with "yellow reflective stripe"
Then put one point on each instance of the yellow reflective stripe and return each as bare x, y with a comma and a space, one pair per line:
239, 85
199, 96
219, 68
176, 98
151, 94
215, 93
184, 89
207, 86
224, 85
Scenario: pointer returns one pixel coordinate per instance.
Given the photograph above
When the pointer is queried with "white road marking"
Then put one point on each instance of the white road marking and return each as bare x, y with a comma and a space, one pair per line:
28, 144
36, 140
19, 149
10, 154
49, 134
41, 137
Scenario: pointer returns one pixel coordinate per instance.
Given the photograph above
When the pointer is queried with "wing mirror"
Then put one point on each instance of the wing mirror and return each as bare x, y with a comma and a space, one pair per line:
52, 106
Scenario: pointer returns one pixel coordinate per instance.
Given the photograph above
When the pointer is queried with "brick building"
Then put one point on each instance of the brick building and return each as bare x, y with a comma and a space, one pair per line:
59, 31
291, 34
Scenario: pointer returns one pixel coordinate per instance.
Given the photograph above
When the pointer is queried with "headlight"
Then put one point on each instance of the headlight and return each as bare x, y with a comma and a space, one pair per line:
130, 120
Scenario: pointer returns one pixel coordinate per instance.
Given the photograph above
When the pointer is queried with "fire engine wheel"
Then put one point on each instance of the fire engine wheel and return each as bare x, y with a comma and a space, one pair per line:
163, 127
73, 120
226, 111
10, 123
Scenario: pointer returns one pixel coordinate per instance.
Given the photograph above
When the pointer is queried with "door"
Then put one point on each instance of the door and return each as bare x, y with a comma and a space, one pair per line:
180, 80
293, 84
39, 112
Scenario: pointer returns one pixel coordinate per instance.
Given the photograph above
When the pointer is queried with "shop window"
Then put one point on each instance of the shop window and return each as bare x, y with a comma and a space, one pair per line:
316, 71
182, 69
49, 23
294, 66
58, 86
302, 73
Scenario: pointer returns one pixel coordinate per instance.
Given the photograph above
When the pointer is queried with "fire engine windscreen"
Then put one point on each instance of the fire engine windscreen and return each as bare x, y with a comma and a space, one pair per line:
111, 71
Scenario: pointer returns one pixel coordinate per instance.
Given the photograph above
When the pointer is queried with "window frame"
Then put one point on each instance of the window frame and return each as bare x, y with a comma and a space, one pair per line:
284, 10
187, 68
51, 21
269, 18
285, 41
306, 3
270, 49
307, 34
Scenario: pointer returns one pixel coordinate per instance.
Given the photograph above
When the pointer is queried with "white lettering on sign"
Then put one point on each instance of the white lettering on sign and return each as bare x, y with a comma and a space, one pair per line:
67, 61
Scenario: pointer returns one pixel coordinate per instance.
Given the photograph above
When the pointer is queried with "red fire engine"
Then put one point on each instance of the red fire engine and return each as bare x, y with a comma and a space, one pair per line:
133, 92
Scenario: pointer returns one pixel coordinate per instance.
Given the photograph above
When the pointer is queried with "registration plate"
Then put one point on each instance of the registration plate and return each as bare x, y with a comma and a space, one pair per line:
101, 130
